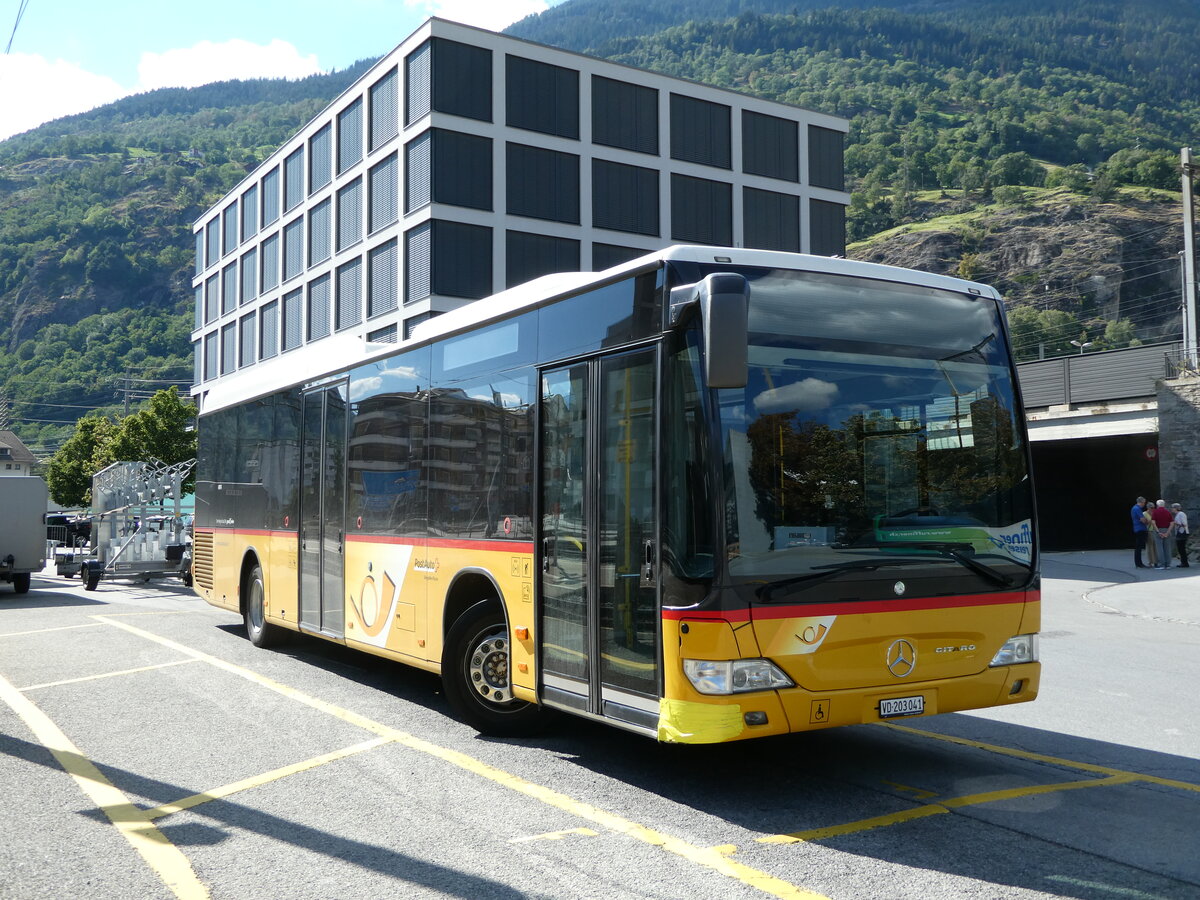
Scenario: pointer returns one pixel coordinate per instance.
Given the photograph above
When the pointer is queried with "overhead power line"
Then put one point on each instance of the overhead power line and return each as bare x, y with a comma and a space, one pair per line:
20, 12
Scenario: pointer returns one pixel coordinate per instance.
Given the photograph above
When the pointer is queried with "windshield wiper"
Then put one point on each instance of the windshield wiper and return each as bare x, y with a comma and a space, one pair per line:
833, 570
954, 552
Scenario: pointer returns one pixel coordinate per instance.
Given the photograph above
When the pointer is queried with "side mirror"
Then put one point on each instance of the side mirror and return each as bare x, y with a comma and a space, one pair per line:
723, 300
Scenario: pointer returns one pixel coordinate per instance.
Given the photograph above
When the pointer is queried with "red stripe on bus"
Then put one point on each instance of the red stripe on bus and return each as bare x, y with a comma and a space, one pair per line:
850, 607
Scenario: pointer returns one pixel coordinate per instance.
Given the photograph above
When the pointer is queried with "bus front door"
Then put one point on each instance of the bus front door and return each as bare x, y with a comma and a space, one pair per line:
323, 511
599, 523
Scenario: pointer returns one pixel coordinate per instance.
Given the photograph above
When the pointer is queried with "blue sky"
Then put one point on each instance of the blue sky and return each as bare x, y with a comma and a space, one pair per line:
68, 56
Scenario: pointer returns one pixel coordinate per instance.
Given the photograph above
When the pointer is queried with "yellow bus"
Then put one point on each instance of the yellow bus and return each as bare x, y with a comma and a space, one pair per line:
707, 495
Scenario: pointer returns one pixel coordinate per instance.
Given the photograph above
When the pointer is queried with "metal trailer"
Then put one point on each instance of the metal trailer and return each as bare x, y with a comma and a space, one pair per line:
23, 501
138, 529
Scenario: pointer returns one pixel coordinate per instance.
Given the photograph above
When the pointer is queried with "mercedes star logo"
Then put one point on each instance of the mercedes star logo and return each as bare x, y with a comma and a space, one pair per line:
901, 658
899, 588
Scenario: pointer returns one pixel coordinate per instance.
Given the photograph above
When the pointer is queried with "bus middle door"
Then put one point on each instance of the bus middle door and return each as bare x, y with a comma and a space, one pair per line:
323, 511
600, 621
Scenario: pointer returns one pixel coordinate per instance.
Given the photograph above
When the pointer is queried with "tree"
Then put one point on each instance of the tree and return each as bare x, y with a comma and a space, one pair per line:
69, 472
159, 431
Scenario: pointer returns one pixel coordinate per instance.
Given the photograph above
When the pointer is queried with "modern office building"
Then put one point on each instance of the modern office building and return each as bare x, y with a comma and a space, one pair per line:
466, 162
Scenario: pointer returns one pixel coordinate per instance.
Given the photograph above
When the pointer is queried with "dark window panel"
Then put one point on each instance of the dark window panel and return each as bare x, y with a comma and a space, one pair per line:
418, 262
605, 256
319, 307
541, 97
528, 256
350, 135
462, 169
270, 197
462, 260
624, 198
349, 294
418, 97
268, 332
250, 212
826, 165
248, 343
701, 211
543, 184
771, 221
292, 316
381, 280
624, 115
384, 193
826, 228
462, 80
350, 214
293, 179
384, 110
320, 159
770, 146
320, 232
700, 131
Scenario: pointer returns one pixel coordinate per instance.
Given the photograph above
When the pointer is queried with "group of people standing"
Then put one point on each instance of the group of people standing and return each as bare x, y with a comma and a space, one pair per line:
1155, 528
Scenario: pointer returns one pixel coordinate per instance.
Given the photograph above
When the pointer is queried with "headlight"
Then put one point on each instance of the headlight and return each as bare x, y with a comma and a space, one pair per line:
1020, 649
735, 676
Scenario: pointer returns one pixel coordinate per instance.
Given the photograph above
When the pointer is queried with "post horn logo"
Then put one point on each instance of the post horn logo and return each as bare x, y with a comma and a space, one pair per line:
901, 658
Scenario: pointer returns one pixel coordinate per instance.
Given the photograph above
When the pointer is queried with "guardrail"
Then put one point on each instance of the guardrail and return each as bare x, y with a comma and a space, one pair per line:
1097, 377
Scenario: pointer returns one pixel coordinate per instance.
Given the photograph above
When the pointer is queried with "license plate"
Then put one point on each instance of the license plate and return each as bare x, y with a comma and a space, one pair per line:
901, 706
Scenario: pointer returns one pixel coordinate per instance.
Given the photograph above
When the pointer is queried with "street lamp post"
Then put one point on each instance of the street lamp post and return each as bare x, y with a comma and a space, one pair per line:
1082, 345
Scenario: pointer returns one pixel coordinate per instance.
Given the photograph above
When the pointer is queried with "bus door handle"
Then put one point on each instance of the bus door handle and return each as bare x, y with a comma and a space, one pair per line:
546, 554
648, 555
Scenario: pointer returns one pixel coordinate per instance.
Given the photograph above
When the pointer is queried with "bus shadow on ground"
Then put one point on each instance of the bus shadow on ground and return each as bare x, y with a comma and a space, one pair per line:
938, 793
914, 799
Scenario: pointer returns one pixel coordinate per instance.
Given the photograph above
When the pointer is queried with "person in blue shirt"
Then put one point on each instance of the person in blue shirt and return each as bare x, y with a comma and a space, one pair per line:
1139, 531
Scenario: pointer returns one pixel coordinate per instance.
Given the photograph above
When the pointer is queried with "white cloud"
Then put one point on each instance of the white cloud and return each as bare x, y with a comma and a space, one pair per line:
207, 62
809, 395
493, 15
34, 90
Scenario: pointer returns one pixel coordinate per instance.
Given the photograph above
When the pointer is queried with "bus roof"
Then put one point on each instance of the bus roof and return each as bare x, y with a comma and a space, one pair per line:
339, 353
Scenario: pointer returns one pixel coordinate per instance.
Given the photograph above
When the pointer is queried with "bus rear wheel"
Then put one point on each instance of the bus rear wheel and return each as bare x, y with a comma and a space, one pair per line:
476, 674
21, 583
261, 632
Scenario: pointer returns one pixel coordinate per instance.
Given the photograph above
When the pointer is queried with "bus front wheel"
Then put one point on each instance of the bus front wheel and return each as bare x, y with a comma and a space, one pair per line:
261, 632
476, 674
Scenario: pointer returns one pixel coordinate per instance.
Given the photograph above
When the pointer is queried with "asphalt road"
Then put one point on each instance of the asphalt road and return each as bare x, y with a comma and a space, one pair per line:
148, 750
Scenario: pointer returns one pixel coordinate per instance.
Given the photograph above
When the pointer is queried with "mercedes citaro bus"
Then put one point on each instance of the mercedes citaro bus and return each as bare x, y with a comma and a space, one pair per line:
709, 494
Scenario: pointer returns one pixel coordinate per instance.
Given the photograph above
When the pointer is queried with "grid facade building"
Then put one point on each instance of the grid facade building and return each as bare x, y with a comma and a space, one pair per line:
466, 162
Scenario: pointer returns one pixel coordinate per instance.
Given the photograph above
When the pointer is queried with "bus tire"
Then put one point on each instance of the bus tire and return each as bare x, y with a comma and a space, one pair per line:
476, 675
261, 632
21, 582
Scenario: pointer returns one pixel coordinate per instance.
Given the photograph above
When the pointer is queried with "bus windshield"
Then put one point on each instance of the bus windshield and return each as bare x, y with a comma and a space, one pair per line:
877, 436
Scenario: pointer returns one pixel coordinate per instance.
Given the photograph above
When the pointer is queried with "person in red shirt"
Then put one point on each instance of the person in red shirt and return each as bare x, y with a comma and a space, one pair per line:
1163, 527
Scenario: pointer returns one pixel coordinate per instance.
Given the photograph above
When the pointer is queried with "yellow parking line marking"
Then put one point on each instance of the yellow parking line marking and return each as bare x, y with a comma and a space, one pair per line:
1041, 757
160, 854
919, 793
47, 684
708, 858
156, 612
555, 835
933, 809
48, 630
258, 780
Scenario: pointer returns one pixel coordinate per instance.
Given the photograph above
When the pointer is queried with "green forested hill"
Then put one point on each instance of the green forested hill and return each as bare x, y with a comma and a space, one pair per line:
96, 212
971, 119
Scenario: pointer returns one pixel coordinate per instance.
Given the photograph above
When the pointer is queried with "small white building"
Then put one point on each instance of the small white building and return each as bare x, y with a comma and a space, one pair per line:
15, 457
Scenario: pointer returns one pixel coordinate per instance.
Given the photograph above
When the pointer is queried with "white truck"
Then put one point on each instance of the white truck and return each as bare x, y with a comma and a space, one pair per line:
22, 529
